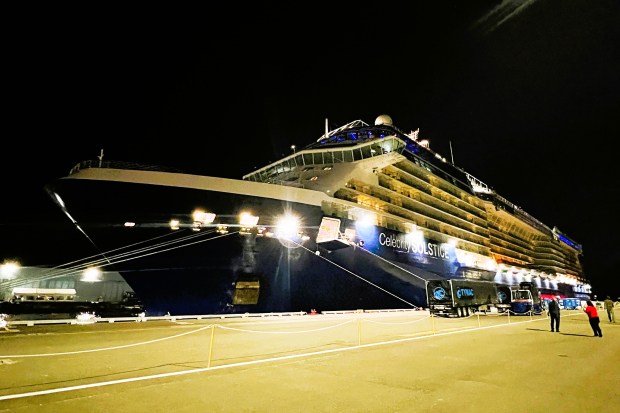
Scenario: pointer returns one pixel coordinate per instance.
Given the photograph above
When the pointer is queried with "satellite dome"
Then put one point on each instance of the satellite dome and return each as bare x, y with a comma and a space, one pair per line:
383, 120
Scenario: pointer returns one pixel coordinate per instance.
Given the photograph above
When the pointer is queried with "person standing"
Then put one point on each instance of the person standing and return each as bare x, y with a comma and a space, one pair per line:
593, 318
609, 306
554, 314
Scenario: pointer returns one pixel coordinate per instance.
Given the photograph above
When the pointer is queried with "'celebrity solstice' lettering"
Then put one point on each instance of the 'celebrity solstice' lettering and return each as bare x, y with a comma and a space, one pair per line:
419, 247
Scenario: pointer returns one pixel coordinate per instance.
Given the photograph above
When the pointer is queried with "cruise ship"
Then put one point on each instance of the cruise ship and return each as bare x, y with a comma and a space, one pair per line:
362, 218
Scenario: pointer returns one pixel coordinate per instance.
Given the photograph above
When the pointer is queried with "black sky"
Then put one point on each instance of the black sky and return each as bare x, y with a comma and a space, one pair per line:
528, 97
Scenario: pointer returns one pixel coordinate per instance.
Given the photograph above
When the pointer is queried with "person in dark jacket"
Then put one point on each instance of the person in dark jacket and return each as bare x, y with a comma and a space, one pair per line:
593, 319
554, 314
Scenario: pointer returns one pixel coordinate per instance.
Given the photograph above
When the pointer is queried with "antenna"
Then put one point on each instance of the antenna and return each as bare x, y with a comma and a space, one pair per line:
451, 155
326, 128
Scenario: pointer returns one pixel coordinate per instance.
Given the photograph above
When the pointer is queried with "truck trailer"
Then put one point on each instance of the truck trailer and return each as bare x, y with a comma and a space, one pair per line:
460, 297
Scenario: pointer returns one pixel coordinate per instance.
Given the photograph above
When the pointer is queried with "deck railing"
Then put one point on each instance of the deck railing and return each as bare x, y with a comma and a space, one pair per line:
95, 163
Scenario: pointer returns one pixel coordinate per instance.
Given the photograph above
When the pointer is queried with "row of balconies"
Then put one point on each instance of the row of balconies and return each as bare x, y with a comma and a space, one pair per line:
464, 200
395, 200
510, 253
504, 244
417, 217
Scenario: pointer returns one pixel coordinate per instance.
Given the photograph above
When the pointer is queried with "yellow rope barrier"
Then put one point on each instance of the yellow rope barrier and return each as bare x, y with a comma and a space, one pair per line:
211, 345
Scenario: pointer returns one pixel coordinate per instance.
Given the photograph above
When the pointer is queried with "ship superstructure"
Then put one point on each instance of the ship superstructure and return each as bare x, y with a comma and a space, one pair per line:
396, 181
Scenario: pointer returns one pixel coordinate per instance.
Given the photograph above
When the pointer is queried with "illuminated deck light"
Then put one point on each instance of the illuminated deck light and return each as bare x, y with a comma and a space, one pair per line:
287, 226
204, 218
91, 275
246, 219
9, 269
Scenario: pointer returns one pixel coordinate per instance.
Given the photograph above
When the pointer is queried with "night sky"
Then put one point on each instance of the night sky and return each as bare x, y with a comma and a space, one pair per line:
526, 93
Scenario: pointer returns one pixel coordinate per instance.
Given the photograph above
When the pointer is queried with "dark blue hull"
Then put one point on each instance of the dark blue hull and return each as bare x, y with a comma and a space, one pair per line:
209, 272
283, 279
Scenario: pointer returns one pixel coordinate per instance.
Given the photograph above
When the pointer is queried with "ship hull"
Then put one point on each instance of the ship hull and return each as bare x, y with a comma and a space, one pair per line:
210, 272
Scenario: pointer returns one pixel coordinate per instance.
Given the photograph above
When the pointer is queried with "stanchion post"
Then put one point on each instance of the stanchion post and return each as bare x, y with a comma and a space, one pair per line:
211, 345
359, 331
478, 314
433, 323
508, 316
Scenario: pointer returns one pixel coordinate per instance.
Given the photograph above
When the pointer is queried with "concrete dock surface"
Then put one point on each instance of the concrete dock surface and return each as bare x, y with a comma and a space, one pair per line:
358, 362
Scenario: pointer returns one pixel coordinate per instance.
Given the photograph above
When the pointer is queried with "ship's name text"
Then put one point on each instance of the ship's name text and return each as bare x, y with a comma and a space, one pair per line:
419, 247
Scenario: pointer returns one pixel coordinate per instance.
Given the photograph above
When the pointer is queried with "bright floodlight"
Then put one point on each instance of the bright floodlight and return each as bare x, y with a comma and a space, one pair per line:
9, 269
86, 318
91, 275
203, 217
491, 265
247, 220
366, 218
174, 224
287, 226
415, 237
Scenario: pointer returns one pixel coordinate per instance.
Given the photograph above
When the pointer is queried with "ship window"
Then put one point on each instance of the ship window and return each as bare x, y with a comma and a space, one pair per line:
357, 154
328, 157
338, 157
348, 156
271, 172
366, 152
299, 160
307, 158
318, 158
